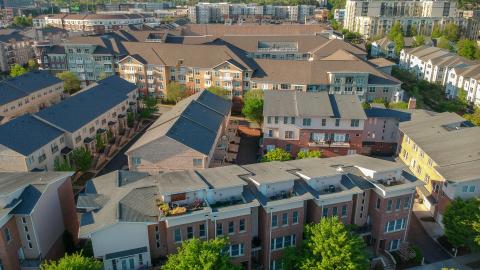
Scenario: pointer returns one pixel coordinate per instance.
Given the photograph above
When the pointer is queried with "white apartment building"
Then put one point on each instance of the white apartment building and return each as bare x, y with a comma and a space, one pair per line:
466, 78
63, 127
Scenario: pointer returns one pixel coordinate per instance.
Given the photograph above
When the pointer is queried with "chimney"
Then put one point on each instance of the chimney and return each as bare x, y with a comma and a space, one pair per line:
412, 103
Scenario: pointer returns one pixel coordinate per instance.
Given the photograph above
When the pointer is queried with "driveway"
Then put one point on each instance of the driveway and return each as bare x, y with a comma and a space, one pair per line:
431, 250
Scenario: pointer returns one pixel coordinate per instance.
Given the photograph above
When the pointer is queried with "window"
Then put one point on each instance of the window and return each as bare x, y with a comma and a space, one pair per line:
285, 120
292, 120
335, 211
219, 229
201, 231
24, 220
324, 122
231, 227
236, 250
285, 219
464, 188
274, 221
344, 211
7, 234
354, 123
337, 122
325, 212
197, 162
241, 225
389, 205
189, 232
295, 217
406, 203
394, 244
283, 242
276, 119
136, 161
395, 225
177, 236
140, 259
269, 119
307, 122
270, 133
398, 204
471, 189
288, 134
378, 203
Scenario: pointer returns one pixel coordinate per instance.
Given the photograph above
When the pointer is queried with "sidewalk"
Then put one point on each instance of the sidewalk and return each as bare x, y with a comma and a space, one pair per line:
433, 229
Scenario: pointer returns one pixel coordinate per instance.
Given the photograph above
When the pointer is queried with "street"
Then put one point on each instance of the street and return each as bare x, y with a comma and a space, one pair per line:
431, 250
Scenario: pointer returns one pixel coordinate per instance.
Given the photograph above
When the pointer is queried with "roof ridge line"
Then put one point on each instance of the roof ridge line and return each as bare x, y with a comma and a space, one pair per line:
160, 58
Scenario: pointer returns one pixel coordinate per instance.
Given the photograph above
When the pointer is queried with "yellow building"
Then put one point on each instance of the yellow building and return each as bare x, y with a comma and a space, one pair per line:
442, 150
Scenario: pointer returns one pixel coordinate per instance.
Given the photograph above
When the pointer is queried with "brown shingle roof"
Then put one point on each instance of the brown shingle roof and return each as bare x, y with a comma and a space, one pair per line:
251, 29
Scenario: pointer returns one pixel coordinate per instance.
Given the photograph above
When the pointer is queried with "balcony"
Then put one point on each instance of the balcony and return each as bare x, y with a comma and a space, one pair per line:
149, 72
178, 209
318, 144
207, 77
345, 144
227, 79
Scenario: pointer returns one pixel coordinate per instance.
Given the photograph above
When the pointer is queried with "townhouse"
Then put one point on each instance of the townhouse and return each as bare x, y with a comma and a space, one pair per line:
186, 137
385, 47
91, 23
68, 125
28, 92
441, 66
441, 150
134, 220
15, 48
300, 121
37, 210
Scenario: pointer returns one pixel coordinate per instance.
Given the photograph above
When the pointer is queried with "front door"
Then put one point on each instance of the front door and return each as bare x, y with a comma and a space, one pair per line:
381, 245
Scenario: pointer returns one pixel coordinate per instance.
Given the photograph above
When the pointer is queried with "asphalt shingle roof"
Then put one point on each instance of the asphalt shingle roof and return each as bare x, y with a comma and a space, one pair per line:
27, 134
80, 109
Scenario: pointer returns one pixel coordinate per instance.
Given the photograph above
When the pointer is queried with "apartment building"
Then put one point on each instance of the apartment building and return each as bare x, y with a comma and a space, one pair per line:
466, 78
300, 121
380, 133
372, 18
441, 66
65, 126
262, 208
92, 23
28, 93
204, 12
15, 48
36, 210
184, 138
441, 150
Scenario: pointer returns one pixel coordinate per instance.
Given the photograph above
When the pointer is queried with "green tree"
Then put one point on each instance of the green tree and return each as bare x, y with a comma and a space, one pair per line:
436, 32
219, 91
474, 117
74, 261
442, 42
290, 258
176, 92
412, 31
22, 21
330, 245
32, 64
459, 219
419, 41
399, 43
82, 158
395, 31
309, 154
198, 254
150, 106
467, 48
103, 75
451, 31
277, 154
62, 165
130, 119
71, 83
17, 70
253, 106
99, 143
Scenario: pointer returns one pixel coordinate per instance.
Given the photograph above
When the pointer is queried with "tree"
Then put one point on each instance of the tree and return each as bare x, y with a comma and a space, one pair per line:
419, 41
176, 92
436, 32
62, 165
412, 31
82, 158
103, 75
130, 119
219, 91
459, 219
399, 43
474, 117
22, 21
451, 32
99, 143
71, 83
32, 64
330, 245
277, 154
253, 106
395, 31
290, 258
17, 70
309, 154
150, 106
442, 42
467, 48
74, 261
198, 254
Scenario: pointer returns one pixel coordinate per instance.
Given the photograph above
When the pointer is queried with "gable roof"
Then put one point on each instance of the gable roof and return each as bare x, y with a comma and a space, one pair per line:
193, 122
78, 110
17, 134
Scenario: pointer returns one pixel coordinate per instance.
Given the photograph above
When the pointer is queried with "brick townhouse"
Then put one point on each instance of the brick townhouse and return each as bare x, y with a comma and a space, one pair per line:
134, 219
441, 149
65, 126
298, 121
35, 211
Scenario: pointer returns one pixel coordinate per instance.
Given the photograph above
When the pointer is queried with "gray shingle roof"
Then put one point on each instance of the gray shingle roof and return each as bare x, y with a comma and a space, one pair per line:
27, 134
402, 116
80, 109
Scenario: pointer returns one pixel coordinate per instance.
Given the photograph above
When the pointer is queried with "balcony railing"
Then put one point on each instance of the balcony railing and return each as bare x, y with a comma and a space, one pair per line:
329, 144
178, 209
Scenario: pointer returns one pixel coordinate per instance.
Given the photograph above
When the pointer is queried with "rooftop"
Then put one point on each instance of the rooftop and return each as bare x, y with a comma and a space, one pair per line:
270, 172
224, 177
